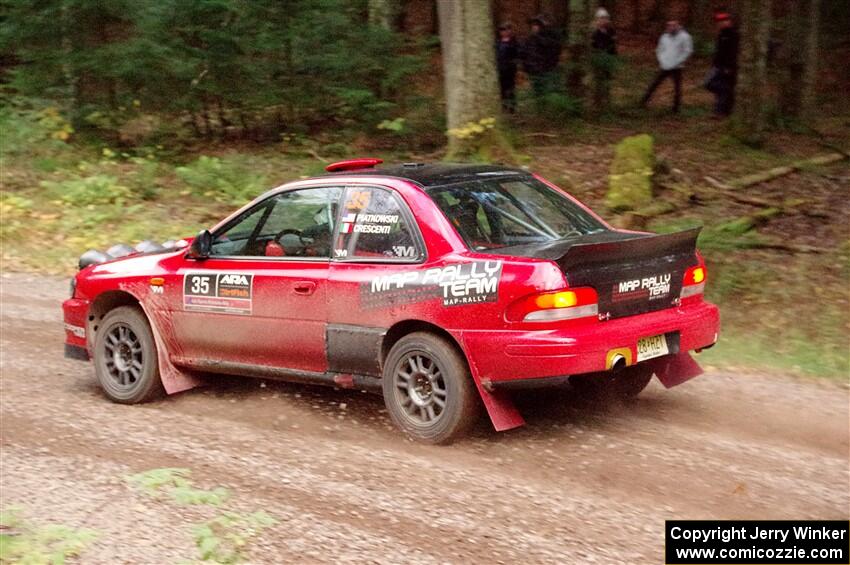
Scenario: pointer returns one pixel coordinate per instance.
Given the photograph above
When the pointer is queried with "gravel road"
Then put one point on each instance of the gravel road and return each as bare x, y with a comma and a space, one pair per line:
580, 483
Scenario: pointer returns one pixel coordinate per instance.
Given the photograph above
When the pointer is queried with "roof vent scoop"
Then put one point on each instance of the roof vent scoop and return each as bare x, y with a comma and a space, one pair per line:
353, 164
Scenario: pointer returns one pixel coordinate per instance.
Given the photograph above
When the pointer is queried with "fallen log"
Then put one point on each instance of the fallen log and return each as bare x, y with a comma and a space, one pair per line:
790, 247
776, 172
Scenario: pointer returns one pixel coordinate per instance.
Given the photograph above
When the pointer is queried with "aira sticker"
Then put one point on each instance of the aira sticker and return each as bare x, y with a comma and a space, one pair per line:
224, 293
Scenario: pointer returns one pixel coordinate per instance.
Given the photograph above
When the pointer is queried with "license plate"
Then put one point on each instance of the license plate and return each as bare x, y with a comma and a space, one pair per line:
651, 347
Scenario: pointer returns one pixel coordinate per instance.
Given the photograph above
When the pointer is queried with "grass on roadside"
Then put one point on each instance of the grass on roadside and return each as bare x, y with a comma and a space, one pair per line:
22, 542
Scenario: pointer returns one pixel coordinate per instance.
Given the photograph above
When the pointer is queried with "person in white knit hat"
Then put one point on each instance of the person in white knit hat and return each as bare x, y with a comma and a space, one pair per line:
603, 58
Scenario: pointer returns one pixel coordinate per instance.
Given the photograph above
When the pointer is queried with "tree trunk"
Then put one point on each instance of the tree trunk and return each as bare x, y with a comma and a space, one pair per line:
660, 11
383, 13
636, 16
68, 71
469, 69
752, 95
810, 50
579, 47
700, 21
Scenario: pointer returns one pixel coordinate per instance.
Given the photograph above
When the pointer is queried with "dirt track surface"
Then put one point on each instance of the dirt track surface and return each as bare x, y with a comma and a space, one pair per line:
580, 483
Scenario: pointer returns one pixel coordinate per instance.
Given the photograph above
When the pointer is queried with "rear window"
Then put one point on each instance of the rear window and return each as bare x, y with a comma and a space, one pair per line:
495, 213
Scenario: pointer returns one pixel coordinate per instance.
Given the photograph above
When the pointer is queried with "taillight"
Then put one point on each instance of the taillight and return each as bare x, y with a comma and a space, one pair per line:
694, 283
567, 304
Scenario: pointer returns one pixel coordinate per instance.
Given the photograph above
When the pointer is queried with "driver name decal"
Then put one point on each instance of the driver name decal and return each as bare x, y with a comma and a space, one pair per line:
224, 293
456, 285
368, 223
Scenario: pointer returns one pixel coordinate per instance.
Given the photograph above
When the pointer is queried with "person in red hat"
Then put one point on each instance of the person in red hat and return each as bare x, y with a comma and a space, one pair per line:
724, 75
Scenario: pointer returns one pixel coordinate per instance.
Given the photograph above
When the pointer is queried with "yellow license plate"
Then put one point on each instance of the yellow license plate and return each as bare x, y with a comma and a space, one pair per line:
651, 347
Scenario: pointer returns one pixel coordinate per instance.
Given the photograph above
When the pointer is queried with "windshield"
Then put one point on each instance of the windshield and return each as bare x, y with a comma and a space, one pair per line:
496, 213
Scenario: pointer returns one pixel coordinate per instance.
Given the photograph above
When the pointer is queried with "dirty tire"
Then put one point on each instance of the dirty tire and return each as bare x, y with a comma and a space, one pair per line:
428, 390
125, 357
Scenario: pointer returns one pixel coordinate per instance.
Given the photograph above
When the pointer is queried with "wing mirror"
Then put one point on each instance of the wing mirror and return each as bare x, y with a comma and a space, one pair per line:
201, 246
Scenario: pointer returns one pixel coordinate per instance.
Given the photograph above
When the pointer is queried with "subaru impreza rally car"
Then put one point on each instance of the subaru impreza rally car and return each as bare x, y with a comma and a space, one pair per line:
441, 286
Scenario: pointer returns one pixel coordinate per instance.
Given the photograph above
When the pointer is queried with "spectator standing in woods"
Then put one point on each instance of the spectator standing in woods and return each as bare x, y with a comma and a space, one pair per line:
540, 55
724, 74
603, 58
674, 48
507, 53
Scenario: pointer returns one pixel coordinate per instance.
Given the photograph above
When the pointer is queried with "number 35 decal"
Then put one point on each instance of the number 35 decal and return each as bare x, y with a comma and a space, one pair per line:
199, 285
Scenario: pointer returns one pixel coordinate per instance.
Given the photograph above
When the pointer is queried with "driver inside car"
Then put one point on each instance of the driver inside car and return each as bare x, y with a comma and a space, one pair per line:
313, 241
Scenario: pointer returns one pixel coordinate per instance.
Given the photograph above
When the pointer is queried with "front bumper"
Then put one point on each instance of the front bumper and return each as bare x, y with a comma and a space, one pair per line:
504, 357
75, 312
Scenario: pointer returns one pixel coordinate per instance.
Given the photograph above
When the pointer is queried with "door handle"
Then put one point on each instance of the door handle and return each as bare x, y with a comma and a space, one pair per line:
304, 287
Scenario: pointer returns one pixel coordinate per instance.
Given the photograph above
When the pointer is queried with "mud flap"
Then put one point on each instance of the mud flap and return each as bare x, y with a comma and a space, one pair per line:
500, 407
673, 370
173, 379
499, 404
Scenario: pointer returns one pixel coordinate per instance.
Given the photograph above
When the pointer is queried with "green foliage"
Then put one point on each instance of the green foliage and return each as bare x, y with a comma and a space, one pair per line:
88, 191
630, 180
223, 539
32, 128
223, 180
176, 484
395, 125
143, 180
25, 544
223, 67
15, 211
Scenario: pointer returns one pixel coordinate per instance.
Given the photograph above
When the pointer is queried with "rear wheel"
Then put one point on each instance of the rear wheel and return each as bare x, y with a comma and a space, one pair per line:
428, 390
125, 357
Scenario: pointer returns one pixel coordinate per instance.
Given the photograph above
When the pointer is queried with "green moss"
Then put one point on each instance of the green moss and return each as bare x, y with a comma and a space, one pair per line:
630, 180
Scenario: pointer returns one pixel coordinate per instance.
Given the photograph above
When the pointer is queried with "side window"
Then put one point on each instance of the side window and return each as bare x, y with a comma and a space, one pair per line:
290, 224
373, 225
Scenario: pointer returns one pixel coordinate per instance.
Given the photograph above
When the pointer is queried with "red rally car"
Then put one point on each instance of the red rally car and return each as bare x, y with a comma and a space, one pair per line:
442, 286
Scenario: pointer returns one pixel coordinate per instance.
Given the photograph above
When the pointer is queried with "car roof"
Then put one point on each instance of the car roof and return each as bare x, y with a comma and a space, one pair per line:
435, 174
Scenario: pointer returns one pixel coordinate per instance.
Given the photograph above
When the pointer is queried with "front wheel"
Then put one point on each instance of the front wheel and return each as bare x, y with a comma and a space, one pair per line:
125, 357
428, 390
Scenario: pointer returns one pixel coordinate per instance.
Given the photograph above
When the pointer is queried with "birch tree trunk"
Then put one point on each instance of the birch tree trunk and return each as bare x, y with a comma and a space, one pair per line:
752, 92
469, 68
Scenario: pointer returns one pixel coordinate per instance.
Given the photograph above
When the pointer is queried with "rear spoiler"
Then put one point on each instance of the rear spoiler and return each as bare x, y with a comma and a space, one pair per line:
677, 246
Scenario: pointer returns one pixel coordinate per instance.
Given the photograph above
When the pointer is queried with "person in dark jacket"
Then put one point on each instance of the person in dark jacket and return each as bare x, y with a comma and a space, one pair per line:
603, 43
604, 38
507, 53
725, 72
541, 53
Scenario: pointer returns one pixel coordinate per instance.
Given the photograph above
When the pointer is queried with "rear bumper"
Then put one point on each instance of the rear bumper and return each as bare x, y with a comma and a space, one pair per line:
503, 357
